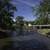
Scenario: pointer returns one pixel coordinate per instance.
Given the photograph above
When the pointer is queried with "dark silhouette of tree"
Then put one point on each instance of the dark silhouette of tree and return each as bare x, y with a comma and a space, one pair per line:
20, 24
6, 13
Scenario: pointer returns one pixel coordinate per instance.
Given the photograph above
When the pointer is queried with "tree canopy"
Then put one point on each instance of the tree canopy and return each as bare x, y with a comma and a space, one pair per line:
43, 12
6, 13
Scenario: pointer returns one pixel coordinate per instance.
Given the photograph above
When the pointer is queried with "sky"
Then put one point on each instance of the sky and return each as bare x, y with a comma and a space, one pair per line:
24, 8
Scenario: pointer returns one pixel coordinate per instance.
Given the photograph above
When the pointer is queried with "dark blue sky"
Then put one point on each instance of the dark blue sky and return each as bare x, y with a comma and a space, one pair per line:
24, 8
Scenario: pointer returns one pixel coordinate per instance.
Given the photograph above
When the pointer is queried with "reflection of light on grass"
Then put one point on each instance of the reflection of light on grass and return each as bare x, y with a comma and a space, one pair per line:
44, 31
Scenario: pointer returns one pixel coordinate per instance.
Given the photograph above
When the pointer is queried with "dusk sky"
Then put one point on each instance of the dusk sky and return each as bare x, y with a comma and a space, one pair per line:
24, 8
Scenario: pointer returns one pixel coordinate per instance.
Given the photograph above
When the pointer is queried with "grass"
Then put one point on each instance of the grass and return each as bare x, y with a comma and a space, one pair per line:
44, 31
4, 41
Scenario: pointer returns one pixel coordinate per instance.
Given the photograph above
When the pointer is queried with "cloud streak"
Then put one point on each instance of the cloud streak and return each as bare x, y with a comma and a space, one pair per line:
25, 2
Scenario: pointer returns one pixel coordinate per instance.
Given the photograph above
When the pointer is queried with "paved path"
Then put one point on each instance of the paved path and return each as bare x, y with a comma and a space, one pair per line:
31, 38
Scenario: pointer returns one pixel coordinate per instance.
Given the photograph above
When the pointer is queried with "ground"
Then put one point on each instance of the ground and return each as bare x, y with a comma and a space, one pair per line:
30, 40
43, 31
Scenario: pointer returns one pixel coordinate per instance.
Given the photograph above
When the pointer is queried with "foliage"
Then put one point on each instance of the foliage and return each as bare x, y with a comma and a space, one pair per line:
6, 12
43, 11
20, 23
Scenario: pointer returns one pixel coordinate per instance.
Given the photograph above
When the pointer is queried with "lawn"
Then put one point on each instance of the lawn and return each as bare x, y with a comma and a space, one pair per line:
43, 31
4, 41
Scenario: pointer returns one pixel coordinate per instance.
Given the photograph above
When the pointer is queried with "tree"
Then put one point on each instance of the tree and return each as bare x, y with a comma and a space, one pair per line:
43, 11
6, 13
20, 24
